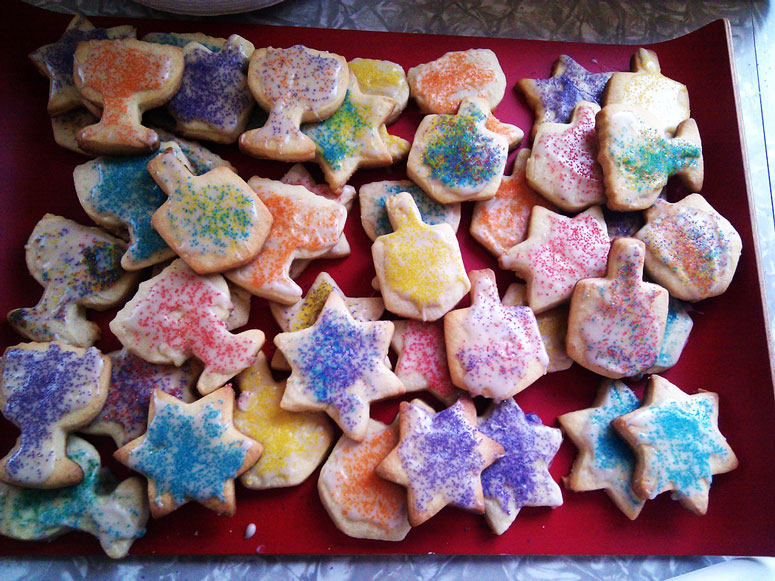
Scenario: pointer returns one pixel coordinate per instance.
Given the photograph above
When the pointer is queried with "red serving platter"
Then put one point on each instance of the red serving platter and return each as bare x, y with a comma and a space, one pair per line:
727, 352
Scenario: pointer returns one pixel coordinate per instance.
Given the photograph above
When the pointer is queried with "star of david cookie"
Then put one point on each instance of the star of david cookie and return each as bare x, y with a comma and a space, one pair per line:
554, 99
557, 253
440, 458
563, 163
191, 451
295, 443
48, 390
177, 315
361, 504
115, 514
119, 194
374, 215
294, 85
123, 78
55, 61
647, 87
521, 477
79, 268
419, 267
124, 416
493, 350
304, 225
214, 101
215, 222
604, 460
677, 444
338, 366
501, 222
637, 159
616, 323
456, 158
691, 249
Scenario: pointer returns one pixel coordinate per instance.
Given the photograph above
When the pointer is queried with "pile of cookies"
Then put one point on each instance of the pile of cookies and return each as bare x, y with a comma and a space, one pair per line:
183, 243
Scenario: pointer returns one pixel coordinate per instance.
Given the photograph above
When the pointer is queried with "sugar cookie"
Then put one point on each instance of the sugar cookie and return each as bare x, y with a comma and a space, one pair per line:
67, 126
384, 78
181, 39
677, 329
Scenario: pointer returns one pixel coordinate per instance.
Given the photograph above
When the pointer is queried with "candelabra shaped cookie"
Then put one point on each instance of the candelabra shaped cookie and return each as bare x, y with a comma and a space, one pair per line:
55, 61
115, 513
191, 451
552, 324
492, 349
214, 101
338, 366
563, 164
177, 315
691, 249
48, 390
422, 358
118, 193
304, 313
295, 443
79, 267
215, 222
637, 159
521, 477
554, 99
557, 253
677, 443
647, 87
604, 460
677, 329
304, 225
456, 158
439, 458
501, 222
361, 504
616, 324
123, 78
419, 267
124, 416
295, 85
350, 138
374, 215
384, 78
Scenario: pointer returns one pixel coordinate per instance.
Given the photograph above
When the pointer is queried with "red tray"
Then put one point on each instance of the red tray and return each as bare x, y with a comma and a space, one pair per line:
727, 351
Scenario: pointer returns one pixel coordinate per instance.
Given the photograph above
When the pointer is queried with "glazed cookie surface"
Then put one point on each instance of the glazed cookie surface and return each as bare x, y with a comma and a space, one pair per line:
384, 78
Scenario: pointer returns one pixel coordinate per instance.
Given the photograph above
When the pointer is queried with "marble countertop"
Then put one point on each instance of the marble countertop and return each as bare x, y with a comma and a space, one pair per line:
614, 21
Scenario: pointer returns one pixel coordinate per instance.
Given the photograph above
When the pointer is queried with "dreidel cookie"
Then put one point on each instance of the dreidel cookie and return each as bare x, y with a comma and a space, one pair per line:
177, 315
55, 61
616, 323
677, 443
214, 101
456, 158
79, 267
295, 443
691, 249
554, 99
647, 87
215, 222
304, 225
361, 504
191, 451
563, 164
440, 458
493, 350
114, 513
604, 459
637, 159
48, 390
294, 85
419, 267
338, 366
521, 477
124, 78
557, 253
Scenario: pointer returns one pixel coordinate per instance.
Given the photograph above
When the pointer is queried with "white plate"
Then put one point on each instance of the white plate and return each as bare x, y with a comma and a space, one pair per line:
207, 7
